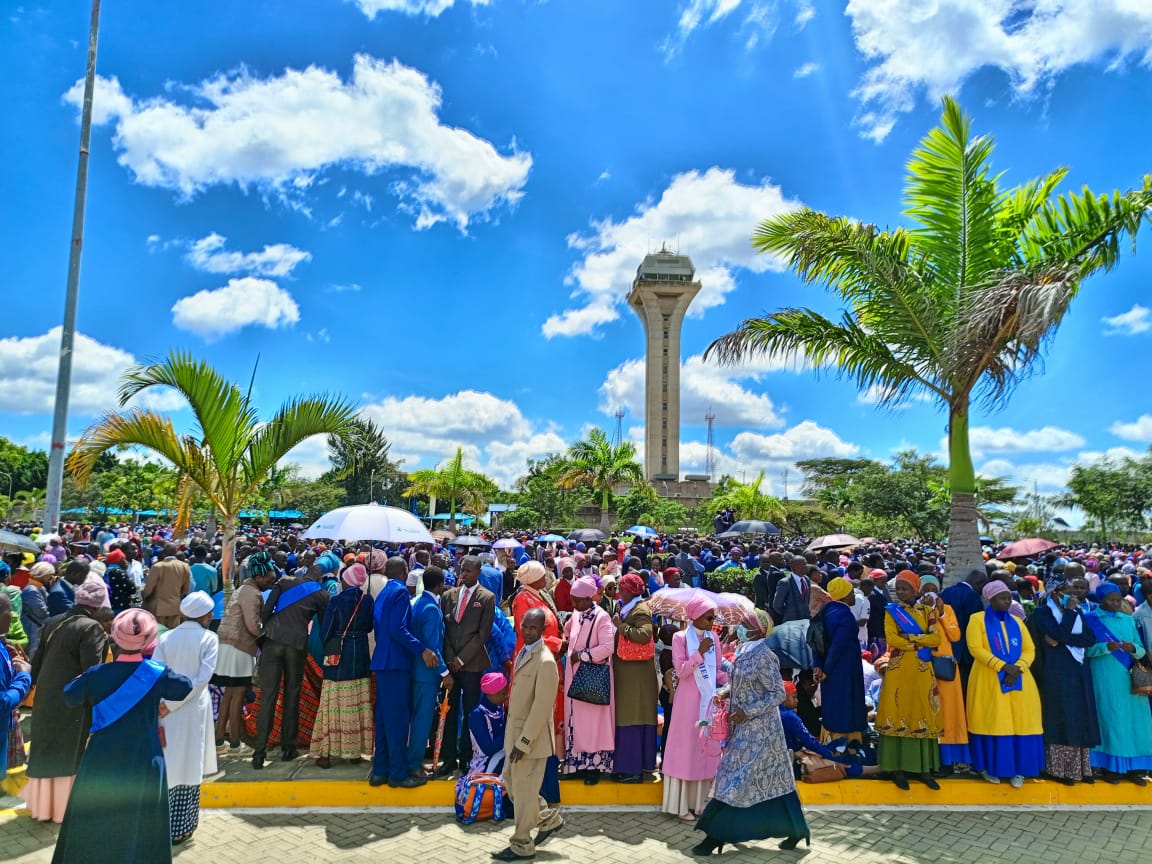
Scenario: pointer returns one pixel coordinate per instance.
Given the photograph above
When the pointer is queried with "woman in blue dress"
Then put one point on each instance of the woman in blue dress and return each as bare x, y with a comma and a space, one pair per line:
839, 670
754, 796
118, 810
1125, 722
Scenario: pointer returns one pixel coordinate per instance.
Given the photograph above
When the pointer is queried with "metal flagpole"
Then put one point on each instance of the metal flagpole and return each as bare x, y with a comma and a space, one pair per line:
68, 333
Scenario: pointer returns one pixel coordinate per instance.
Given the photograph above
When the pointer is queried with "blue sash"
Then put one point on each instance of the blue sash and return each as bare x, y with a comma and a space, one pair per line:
908, 624
1103, 634
127, 696
294, 595
1009, 651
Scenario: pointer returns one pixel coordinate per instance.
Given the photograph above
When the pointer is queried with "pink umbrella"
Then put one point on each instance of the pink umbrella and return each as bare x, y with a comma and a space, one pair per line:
731, 609
506, 543
1025, 548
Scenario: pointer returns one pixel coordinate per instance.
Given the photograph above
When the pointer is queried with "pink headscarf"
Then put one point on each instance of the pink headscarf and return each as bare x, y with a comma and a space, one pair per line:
699, 605
134, 630
565, 564
994, 588
355, 574
493, 682
585, 586
91, 594
376, 560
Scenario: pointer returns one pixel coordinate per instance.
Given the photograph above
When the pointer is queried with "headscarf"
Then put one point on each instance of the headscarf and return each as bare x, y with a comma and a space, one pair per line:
670, 571
699, 605
196, 604
355, 575
584, 587
929, 579
757, 625
116, 556
909, 577
530, 572
878, 574
493, 682
92, 594
134, 630
994, 589
42, 570
328, 562
633, 584
377, 558
565, 564
260, 563
789, 688
839, 588
1106, 588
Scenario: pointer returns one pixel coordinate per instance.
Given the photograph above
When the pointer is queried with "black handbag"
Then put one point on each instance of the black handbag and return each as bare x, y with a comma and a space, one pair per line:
592, 682
944, 668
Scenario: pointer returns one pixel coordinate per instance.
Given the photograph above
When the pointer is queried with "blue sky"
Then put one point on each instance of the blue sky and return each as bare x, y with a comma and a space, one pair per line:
436, 207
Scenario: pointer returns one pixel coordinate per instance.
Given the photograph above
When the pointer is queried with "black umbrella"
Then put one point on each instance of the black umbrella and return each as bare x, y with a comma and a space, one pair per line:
10, 541
729, 535
470, 540
587, 535
754, 526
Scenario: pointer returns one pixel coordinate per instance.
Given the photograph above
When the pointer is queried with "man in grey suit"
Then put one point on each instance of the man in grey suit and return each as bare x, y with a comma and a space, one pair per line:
793, 593
469, 611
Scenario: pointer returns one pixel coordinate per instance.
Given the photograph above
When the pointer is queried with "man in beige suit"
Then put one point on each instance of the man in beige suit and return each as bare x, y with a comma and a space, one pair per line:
168, 581
528, 740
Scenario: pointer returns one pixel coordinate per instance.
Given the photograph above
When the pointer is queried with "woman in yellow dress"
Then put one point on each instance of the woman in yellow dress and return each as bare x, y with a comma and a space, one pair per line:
954, 741
908, 716
1005, 732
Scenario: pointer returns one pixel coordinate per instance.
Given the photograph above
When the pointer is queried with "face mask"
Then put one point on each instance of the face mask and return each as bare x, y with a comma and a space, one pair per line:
741, 632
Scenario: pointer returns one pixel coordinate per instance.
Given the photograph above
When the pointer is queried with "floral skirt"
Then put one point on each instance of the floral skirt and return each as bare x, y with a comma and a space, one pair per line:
345, 727
183, 809
1067, 762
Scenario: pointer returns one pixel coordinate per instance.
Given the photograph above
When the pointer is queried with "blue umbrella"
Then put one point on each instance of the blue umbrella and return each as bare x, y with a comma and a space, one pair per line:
642, 531
551, 538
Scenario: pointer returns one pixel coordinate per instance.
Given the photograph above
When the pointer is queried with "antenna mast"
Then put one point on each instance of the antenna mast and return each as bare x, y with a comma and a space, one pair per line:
710, 459
618, 437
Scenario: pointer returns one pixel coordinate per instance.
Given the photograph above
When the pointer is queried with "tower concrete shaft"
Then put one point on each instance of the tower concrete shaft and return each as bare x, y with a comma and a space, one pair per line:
661, 293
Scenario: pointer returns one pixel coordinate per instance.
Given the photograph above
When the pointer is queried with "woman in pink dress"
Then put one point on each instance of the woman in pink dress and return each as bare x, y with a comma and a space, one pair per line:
688, 771
589, 730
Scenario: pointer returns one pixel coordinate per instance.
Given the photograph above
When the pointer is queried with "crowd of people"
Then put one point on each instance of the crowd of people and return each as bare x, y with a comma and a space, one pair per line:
552, 660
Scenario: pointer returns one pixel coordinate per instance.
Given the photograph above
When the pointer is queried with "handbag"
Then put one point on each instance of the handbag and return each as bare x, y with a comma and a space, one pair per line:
1141, 678
944, 668
628, 650
816, 769
715, 733
817, 636
480, 797
333, 659
592, 682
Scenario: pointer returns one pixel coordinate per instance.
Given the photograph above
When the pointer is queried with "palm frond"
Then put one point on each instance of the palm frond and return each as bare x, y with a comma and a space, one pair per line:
297, 420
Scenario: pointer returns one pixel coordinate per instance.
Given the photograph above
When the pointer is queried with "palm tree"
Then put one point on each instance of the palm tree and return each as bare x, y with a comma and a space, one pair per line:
229, 454
455, 484
599, 465
29, 502
957, 307
361, 461
747, 501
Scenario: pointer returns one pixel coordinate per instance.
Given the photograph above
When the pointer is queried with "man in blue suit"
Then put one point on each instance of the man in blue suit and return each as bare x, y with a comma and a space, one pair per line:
964, 598
396, 649
428, 628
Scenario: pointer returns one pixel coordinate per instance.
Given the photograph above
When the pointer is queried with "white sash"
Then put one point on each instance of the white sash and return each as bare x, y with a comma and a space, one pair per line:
1077, 629
705, 673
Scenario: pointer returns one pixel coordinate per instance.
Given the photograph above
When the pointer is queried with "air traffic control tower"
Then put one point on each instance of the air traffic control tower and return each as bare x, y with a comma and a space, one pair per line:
663, 289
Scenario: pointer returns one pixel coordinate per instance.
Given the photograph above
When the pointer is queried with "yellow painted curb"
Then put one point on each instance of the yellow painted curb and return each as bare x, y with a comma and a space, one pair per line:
846, 793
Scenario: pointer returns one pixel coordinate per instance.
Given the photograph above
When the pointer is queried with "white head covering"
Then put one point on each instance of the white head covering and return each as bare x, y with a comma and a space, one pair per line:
196, 605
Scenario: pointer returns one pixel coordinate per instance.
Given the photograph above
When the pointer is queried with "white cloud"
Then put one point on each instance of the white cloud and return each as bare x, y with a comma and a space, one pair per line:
1045, 477
311, 456
702, 386
708, 215
278, 133
430, 8
985, 439
241, 303
29, 365
343, 288
277, 259
805, 12
1138, 430
806, 70
1136, 320
919, 48
697, 13
805, 440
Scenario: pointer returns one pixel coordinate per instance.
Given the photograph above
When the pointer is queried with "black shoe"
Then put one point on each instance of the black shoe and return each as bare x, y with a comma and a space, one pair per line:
288, 755
706, 847
444, 773
1091, 781
575, 775
377, 780
628, 778
510, 855
930, 781
542, 836
408, 783
793, 842
591, 778
258, 759
899, 779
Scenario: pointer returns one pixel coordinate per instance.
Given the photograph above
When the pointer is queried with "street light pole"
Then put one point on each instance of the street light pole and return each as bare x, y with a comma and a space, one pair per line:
71, 296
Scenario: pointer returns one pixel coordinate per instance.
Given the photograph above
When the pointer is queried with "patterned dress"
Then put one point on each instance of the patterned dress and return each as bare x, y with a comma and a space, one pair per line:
755, 792
908, 716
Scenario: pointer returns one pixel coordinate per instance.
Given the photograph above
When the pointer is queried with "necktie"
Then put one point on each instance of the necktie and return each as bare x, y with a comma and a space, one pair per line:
462, 605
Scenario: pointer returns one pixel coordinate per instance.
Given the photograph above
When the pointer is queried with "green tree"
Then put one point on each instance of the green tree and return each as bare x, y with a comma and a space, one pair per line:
957, 307
454, 483
1112, 492
541, 497
747, 501
27, 468
228, 454
601, 466
362, 464
642, 505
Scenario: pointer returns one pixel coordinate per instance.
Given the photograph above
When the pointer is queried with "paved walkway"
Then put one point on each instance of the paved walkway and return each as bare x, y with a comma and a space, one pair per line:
840, 837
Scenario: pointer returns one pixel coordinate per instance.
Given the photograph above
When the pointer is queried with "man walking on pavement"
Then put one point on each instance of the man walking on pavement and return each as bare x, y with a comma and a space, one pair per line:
529, 742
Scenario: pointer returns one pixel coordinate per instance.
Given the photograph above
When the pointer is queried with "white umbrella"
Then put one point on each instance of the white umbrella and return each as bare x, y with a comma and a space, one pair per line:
507, 543
369, 522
